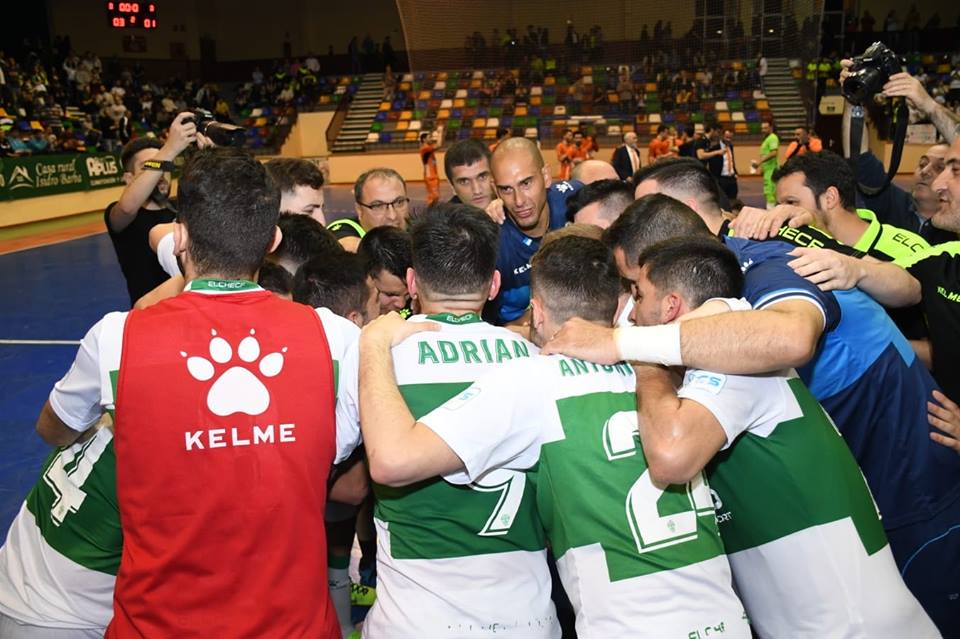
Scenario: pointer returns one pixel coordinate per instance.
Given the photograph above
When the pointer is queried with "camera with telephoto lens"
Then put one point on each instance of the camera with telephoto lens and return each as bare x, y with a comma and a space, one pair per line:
869, 73
219, 133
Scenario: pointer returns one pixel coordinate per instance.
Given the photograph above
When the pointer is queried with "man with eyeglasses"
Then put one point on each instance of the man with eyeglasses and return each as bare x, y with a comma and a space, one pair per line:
380, 197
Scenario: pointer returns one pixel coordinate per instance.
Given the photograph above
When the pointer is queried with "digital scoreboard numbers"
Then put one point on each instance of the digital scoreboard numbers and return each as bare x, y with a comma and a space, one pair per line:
132, 15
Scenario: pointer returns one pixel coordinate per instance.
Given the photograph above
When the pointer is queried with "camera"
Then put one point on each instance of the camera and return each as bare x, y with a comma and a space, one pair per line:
869, 73
219, 133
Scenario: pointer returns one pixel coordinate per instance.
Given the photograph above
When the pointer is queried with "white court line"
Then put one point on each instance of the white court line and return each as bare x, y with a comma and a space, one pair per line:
40, 342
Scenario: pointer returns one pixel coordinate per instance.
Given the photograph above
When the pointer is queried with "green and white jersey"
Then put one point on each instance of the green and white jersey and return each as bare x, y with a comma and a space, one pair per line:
808, 552
59, 563
342, 336
459, 560
638, 559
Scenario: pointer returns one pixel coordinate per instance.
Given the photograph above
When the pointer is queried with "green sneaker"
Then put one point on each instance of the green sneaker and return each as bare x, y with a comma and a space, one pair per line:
353, 635
361, 595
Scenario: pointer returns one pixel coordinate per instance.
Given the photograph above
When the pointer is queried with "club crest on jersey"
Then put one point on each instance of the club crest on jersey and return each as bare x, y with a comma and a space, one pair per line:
236, 389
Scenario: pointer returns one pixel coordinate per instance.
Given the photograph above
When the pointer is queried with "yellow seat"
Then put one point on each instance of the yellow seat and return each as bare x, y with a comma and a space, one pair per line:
459, 103
403, 125
406, 115
723, 116
443, 114
479, 123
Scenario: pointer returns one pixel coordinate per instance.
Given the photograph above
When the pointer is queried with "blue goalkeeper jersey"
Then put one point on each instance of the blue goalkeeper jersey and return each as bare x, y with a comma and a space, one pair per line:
867, 377
514, 254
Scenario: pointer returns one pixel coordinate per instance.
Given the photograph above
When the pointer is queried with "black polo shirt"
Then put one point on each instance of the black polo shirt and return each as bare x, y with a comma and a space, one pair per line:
938, 269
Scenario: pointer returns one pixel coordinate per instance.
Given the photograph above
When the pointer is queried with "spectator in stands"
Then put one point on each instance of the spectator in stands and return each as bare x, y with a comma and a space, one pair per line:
6, 149
388, 254
380, 199
626, 157
762, 66
144, 203
802, 143
467, 166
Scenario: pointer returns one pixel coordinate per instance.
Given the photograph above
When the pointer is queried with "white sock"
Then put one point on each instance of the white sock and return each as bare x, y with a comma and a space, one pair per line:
339, 579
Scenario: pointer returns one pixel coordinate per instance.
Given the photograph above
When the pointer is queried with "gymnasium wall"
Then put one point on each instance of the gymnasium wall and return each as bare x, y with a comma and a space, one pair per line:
240, 31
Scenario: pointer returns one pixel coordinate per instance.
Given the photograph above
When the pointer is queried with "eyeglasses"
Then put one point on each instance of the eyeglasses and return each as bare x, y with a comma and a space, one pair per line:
379, 207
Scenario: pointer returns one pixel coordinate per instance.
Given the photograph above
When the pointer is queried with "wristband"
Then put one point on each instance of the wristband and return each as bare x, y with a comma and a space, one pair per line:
650, 344
158, 165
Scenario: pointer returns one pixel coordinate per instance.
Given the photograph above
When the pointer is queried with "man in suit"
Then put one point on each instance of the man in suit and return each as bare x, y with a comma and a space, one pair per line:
626, 157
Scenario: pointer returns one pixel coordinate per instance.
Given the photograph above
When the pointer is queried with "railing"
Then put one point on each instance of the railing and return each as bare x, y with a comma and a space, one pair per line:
339, 116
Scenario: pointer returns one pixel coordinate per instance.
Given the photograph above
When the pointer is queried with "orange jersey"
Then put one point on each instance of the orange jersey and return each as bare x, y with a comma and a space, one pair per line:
813, 145
428, 156
658, 148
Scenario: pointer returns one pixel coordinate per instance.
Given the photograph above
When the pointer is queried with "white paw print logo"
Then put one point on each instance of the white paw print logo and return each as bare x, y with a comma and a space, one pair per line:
237, 390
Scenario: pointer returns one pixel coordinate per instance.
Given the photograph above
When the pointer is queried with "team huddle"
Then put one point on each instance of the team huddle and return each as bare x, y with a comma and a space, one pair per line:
591, 375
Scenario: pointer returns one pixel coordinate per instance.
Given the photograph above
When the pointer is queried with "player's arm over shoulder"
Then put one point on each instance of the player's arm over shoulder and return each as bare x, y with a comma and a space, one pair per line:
679, 436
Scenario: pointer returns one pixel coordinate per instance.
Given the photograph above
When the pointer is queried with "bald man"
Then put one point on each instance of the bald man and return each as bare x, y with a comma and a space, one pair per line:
626, 157
533, 204
590, 171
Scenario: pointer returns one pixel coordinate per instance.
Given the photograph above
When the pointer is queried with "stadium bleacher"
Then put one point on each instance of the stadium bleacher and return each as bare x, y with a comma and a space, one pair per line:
467, 105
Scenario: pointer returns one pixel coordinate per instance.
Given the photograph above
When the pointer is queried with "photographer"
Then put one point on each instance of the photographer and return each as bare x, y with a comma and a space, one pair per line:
909, 210
145, 202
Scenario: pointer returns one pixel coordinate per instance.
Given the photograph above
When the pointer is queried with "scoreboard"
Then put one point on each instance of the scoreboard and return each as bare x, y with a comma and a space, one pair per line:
132, 15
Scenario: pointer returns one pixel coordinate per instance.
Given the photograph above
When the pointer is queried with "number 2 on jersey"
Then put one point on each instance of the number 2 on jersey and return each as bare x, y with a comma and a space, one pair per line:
651, 530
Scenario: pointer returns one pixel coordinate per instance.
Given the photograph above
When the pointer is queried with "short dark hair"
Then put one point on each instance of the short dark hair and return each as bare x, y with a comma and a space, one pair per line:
454, 248
337, 282
289, 173
379, 172
661, 128
464, 153
651, 219
688, 176
576, 276
614, 195
821, 170
386, 248
698, 267
133, 147
230, 206
275, 278
304, 238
